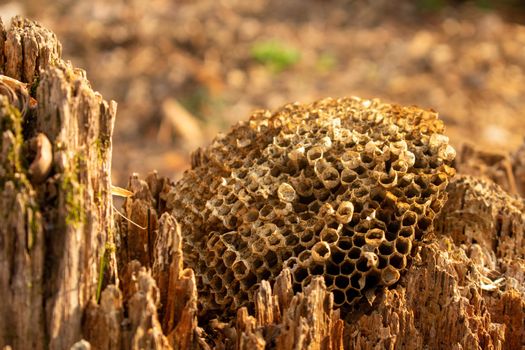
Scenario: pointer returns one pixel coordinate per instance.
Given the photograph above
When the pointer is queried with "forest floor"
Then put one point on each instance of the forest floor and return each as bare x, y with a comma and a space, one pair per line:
183, 70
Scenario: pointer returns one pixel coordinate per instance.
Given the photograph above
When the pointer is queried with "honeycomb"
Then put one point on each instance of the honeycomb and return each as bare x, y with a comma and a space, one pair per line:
339, 188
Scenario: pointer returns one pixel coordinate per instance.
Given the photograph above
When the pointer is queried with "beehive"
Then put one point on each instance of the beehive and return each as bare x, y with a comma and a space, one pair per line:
339, 188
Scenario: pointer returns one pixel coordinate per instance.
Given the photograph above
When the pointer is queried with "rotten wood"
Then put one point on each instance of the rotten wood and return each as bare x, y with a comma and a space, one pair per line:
54, 231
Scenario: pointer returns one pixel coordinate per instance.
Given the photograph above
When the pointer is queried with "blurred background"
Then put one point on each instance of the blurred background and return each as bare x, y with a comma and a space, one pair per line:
181, 71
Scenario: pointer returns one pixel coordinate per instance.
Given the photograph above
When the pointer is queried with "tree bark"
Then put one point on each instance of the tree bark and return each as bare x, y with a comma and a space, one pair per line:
56, 221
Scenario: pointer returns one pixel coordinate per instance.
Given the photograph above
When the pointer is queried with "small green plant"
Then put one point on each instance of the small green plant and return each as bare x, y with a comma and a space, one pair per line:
275, 55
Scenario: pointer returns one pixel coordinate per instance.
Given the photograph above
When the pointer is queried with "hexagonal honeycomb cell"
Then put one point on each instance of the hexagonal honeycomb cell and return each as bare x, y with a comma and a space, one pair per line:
340, 188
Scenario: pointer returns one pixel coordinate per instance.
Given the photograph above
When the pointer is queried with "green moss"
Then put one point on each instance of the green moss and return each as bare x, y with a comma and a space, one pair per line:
34, 225
101, 147
275, 55
15, 164
73, 193
105, 258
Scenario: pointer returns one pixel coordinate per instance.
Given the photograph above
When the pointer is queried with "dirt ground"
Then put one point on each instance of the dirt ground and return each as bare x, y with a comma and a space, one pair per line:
183, 70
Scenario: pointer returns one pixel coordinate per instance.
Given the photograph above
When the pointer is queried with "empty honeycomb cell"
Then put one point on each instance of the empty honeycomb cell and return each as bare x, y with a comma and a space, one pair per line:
304, 256
386, 248
329, 235
360, 192
345, 240
320, 251
330, 177
307, 237
350, 159
266, 230
403, 245
251, 215
314, 206
300, 274
212, 242
271, 259
359, 240
219, 267
348, 176
229, 257
315, 269
361, 171
347, 267
286, 192
397, 261
304, 187
368, 160
374, 237
320, 166
354, 253
291, 240
267, 213
339, 297
383, 261
209, 275
322, 194
337, 256
239, 269
424, 223
285, 255
409, 219
351, 294
328, 280
244, 231
389, 275
400, 166
228, 238
228, 277
371, 279
342, 282
345, 212
314, 154
233, 288
297, 154
216, 282
340, 188
332, 268
249, 281
388, 180
257, 263
274, 241
259, 247
355, 279
298, 249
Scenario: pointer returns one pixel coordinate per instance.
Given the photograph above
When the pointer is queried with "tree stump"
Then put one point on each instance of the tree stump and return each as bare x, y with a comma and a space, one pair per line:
74, 275
55, 182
